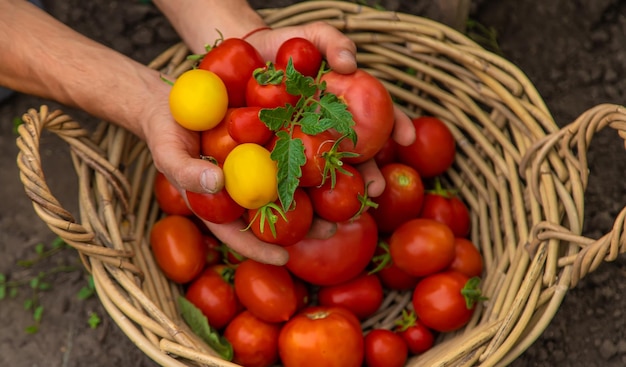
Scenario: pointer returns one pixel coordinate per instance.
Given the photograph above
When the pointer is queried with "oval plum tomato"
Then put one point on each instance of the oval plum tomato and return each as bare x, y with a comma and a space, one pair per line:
178, 248
362, 295
336, 259
389, 274
198, 100
266, 290
418, 337
371, 107
233, 60
216, 207
270, 226
433, 150
304, 55
422, 246
217, 143
266, 89
167, 196
245, 126
401, 199
212, 293
321, 336
343, 200
445, 301
467, 258
250, 176
254, 341
445, 207
384, 348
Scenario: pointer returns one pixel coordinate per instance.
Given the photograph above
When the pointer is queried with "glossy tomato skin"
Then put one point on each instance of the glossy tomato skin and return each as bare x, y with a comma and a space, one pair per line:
254, 341
439, 303
344, 200
233, 60
266, 290
371, 107
217, 142
321, 336
422, 246
268, 95
338, 258
433, 150
168, 197
216, 207
467, 259
212, 292
402, 198
384, 348
448, 210
362, 295
178, 248
418, 337
245, 126
304, 55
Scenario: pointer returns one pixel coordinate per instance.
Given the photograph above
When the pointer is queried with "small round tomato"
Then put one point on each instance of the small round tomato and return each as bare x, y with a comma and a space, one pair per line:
433, 150
266, 89
467, 258
384, 348
402, 198
418, 337
212, 293
304, 55
445, 301
447, 208
216, 207
321, 336
198, 100
168, 197
316, 147
266, 290
178, 248
254, 341
362, 295
250, 176
422, 246
245, 126
214, 249
217, 143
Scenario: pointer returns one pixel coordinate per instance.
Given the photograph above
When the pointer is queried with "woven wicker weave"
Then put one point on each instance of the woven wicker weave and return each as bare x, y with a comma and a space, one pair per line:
522, 177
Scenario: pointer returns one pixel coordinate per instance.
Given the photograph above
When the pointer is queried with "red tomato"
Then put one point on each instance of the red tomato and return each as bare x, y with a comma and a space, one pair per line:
418, 337
303, 294
384, 348
345, 200
217, 142
422, 246
245, 126
439, 302
266, 290
362, 295
448, 209
266, 89
401, 199
371, 107
254, 341
168, 197
214, 251
467, 258
178, 248
306, 58
215, 208
387, 154
316, 147
233, 60
433, 150
289, 229
338, 258
213, 293
321, 336
390, 275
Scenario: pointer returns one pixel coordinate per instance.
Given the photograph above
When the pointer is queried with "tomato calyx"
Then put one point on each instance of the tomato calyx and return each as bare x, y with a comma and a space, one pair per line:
406, 320
382, 260
268, 75
266, 214
472, 293
441, 191
333, 162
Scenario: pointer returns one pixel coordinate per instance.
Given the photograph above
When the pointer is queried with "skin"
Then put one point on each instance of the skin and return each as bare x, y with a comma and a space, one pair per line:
78, 72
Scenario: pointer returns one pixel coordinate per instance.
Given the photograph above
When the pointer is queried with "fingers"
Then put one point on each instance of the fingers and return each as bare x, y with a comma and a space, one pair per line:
373, 177
338, 49
403, 129
321, 229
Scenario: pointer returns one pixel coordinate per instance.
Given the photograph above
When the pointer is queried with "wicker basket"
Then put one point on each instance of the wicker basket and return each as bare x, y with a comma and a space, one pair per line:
522, 177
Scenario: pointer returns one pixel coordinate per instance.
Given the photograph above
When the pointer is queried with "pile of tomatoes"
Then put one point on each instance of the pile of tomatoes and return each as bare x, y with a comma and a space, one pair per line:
290, 136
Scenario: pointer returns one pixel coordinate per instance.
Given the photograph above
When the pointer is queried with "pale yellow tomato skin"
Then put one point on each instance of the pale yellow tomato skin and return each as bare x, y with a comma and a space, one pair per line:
198, 100
250, 176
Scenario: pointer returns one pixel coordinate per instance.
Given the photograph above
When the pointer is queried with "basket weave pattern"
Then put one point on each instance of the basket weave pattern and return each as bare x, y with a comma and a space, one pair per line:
522, 177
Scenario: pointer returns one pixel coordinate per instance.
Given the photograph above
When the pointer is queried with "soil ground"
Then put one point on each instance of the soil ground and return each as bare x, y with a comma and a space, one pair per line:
573, 51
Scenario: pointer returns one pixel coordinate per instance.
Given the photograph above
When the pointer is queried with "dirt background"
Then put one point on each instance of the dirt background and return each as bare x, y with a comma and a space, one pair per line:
572, 50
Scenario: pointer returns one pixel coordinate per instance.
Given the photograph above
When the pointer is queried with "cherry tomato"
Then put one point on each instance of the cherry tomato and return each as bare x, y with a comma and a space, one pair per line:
401, 199
447, 208
384, 348
321, 336
266, 89
422, 246
418, 337
215, 208
233, 60
433, 150
315, 149
305, 57
362, 295
168, 197
217, 142
212, 292
266, 290
467, 258
214, 252
254, 341
338, 258
178, 248
245, 126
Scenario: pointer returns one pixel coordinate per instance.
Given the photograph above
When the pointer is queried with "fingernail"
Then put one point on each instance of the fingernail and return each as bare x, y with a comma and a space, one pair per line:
347, 56
208, 181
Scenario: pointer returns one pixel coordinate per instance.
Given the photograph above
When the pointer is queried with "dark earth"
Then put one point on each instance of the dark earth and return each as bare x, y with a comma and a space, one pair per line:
574, 52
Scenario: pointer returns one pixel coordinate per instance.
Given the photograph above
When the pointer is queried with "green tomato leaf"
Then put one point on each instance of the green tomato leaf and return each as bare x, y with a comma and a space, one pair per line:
298, 84
38, 313
200, 326
289, 154
277, 118
94, 320
332, 109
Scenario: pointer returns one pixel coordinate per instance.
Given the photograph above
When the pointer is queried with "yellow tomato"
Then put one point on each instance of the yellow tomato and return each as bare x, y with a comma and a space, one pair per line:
198, 99
250, 176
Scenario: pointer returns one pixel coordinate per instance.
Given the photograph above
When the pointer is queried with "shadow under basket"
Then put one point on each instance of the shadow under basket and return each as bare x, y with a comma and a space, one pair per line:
521, 176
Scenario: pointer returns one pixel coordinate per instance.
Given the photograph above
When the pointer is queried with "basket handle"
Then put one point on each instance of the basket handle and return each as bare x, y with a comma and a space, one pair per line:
560, 159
